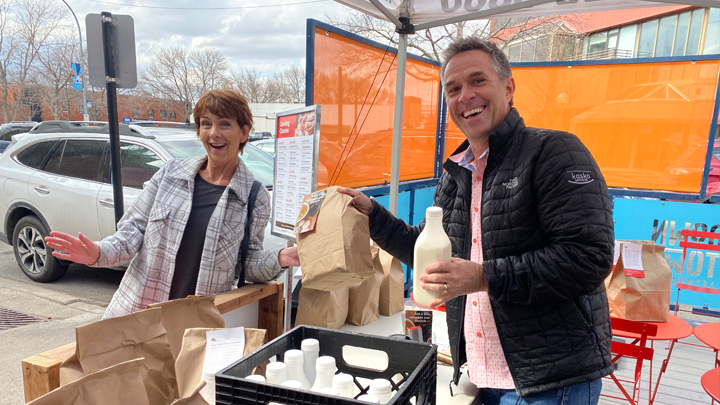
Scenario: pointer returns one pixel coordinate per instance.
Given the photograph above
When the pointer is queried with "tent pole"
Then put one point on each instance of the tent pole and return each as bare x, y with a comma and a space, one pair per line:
398, 121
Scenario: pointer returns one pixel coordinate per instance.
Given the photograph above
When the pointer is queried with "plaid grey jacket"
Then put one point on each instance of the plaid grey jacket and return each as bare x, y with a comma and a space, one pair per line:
150, 232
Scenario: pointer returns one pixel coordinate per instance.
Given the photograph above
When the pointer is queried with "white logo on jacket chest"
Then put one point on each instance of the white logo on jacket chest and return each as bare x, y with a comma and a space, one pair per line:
512, 183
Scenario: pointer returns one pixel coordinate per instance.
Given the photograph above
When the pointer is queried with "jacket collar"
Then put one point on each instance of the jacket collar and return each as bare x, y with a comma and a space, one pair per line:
241, 180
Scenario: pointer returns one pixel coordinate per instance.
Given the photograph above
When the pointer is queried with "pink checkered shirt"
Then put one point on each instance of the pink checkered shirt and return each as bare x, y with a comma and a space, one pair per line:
487, 367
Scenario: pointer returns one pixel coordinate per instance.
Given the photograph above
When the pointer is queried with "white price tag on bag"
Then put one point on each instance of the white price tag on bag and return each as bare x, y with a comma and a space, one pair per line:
223, 348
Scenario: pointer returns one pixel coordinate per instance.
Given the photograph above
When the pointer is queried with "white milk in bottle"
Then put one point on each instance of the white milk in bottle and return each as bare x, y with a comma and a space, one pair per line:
431, 245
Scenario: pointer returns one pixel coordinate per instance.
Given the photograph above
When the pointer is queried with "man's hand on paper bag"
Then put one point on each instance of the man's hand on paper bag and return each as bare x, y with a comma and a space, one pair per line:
460, 276
67, 247
362, 202
289, 257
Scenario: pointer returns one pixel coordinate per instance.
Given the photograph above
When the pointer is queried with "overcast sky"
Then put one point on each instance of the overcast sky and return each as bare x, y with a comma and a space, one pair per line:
268, 35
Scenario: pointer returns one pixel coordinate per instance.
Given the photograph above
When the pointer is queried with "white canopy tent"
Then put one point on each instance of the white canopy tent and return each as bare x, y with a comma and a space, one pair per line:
414, 15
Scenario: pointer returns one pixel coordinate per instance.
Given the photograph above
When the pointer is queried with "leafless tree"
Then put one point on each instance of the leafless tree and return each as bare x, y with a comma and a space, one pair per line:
52, 75
293, 79
25, 28
178, 78
257, 88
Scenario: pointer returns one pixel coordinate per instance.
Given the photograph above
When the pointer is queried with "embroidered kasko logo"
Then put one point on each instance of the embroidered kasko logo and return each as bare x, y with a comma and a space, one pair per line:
512, 183
580, 177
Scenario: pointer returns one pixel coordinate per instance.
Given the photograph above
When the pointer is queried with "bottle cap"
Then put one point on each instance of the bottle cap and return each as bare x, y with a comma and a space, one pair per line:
255, 377
325, 363
310, 345
330, 391
209, 375
433, 212
369, 398
292, 384
380, 385
342, 380
293, 356
276, 368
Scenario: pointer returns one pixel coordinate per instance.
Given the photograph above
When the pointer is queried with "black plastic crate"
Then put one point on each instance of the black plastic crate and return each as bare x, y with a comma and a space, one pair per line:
415, 362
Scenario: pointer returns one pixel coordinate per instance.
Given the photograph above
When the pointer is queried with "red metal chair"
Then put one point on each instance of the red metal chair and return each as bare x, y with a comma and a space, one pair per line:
685, 244
638, 351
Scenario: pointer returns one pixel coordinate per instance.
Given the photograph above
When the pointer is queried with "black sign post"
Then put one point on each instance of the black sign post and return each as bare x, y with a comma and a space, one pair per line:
111, 92
111, 61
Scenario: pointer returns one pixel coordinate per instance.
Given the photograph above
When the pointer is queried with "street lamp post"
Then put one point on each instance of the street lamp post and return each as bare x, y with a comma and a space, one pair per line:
82, 64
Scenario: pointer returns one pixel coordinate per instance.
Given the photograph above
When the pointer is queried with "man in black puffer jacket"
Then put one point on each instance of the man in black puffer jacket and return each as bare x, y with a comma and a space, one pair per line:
529, 218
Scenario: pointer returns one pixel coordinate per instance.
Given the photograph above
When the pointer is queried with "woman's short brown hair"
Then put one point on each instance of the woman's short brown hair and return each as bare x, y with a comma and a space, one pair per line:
226, 104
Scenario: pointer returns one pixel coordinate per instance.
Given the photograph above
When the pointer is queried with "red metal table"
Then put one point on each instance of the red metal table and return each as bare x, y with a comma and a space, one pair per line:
709, 333
673, 330
711, 383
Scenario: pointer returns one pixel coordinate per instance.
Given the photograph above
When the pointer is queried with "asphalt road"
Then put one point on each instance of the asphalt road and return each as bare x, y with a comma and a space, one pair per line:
78, 298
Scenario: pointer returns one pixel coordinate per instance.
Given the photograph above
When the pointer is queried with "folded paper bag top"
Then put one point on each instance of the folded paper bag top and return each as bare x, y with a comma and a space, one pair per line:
119, 384
336, 254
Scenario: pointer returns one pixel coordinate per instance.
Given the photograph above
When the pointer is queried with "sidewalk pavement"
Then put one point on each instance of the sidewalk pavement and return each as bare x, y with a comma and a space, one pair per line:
63, 313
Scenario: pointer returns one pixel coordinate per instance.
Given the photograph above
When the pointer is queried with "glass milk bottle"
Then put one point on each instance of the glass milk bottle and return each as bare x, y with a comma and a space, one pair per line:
431, 245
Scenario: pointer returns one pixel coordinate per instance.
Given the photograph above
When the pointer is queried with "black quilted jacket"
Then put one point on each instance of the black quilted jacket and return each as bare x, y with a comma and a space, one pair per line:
547, 240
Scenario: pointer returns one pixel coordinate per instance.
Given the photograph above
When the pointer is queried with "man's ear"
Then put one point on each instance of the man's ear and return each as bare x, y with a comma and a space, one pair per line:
509, 88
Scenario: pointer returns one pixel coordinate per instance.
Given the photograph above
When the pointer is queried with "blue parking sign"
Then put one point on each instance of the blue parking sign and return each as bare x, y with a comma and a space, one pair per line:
76, 76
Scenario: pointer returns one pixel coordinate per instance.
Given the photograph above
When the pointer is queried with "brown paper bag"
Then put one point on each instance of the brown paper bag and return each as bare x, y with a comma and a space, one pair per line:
190, 312
112, 341
645, 299
195, 398
117, 385
336, 254
392, 290
326, 309
189, 364
70, 369
364, 299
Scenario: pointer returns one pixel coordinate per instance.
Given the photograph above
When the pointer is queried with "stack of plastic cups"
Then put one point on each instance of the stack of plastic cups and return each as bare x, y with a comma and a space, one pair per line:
382, 389
276, 373
344, 384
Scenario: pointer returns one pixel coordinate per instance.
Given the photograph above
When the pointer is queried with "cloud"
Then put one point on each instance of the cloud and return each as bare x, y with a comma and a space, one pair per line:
268, 39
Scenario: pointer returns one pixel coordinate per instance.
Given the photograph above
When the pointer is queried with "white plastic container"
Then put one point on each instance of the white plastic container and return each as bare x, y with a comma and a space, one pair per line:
431, 245
382, 389
369, 398
325, 371
292, 384
294, 363
276, 373
329, 391
256, 377
311, 351
344, 384
208, 393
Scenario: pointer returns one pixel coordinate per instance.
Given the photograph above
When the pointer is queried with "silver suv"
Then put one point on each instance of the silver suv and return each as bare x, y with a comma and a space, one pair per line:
57, 178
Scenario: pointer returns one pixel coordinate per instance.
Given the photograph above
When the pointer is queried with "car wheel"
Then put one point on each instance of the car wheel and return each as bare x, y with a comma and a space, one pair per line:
33, 256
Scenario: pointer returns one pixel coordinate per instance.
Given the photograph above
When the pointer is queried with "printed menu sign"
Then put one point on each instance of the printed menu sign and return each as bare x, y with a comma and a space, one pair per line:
297, 132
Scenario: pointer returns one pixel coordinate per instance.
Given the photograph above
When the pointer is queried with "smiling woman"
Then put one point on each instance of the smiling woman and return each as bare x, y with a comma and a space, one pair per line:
189, 206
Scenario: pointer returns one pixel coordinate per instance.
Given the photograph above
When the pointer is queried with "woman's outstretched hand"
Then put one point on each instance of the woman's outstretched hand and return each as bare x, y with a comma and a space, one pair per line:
67, 247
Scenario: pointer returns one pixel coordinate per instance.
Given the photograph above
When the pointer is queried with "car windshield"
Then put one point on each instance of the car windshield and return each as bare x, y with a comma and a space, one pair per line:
260, 163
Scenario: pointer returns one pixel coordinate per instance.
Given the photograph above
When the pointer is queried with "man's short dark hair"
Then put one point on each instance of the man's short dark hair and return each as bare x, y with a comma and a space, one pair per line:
500, 61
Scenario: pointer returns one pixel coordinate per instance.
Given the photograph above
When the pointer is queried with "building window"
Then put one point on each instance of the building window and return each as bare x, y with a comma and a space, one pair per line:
514, 52
626, 41
712, 44
696, 22
163, 115
528, 51
598, 42
172, 115
665, 36
646, 46
151, 114
136, 113
65, 107
682, 34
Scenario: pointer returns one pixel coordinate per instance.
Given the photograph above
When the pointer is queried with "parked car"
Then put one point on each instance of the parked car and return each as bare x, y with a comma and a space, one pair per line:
57, 178
16, 127
4, 145
266, 145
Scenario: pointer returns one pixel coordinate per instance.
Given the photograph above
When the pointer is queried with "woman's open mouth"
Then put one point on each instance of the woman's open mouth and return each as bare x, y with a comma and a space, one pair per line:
218, 146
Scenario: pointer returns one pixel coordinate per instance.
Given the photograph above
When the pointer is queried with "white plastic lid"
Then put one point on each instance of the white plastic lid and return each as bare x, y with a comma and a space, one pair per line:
277, 367
369, 398
310, 345
293, 356
380, 385
325, 363
292, 384
330, 391
433, 212
209, 375
255, 377
342, 380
